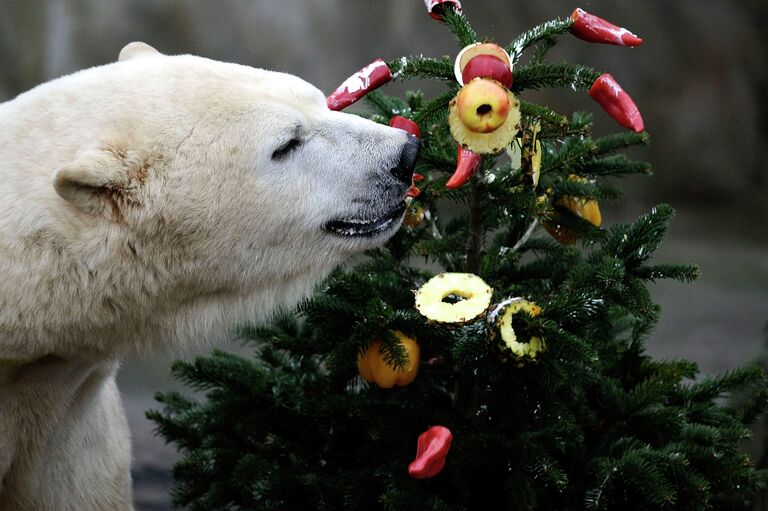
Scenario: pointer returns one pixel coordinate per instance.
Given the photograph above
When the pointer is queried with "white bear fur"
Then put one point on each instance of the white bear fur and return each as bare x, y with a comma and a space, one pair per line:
141, 209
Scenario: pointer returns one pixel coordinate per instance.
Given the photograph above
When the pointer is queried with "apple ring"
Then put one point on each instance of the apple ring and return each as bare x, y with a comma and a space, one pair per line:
475, 297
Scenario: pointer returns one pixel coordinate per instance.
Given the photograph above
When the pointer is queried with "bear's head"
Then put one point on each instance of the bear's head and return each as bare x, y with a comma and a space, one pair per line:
214, 182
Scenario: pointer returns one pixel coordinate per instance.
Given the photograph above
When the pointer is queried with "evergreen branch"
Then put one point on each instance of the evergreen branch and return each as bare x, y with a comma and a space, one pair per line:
542, 48
460, 27
616, 141
554, 132
433, 112
406, 68
541, 244
616, 165
571, 154
414, 99
539, 33
435, 157
222, 369
754, 405
635, 243
538, 76
586, 190
681, 272
712, 387
387, 106
528, 109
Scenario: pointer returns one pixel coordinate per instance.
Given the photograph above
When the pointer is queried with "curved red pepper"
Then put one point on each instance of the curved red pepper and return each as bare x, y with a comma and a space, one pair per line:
414, 191
609, 94
467, 164
406, 125
435, 7
371, 77
597, 30
432, 448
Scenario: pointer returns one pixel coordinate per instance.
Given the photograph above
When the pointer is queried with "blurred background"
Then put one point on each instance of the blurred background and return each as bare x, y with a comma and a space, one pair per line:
700, 80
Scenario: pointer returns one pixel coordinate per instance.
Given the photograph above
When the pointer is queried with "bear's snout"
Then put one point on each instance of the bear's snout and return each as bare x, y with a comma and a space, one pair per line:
404, 169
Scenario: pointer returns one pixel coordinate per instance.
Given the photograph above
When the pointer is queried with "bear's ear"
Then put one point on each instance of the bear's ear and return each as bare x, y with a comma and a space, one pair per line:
136, 49
103, 181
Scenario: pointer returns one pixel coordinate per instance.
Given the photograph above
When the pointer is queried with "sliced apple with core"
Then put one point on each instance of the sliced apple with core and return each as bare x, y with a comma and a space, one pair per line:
483, 105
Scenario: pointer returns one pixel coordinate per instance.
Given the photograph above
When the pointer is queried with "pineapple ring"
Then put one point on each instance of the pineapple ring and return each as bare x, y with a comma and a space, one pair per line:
475, 292
502, 318
485, 143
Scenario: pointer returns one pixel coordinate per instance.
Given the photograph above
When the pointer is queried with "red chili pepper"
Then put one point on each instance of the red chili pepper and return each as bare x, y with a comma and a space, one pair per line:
435, 8
371, 77
413, 192
609, 94
432, 448
597, 30
467, 164
406, 125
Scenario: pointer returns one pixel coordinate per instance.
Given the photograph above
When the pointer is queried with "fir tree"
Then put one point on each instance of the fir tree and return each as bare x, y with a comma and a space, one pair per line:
592, 422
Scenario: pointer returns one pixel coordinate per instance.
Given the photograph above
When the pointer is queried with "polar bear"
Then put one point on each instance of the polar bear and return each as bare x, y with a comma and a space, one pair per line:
152, 203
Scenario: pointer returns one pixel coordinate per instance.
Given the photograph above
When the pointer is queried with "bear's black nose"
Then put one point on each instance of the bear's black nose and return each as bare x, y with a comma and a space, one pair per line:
404, 170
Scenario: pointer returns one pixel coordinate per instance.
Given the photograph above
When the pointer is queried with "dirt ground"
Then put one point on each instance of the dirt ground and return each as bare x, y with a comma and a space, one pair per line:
718, 321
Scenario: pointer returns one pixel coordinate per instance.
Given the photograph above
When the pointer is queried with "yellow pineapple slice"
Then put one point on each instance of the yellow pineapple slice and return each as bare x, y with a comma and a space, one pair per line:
502, 316
474, 294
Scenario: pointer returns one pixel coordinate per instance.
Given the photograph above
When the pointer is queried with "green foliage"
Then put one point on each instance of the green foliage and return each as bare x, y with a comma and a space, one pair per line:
536, 76
544, 34
592, 423
422, 67
460, 27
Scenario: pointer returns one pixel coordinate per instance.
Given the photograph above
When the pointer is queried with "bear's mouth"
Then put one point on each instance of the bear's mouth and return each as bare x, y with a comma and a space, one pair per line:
366, 227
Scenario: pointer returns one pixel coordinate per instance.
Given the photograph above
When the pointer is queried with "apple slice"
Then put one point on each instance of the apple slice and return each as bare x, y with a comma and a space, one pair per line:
487, 66
472, 51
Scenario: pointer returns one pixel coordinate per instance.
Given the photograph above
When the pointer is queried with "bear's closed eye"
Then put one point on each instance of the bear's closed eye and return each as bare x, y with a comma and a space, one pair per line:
285, 149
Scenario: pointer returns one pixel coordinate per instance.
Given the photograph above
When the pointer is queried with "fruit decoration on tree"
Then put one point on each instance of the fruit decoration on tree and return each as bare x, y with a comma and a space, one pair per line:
436, 8
414, 215
432, 448
469, 297
586, 209
484, 115
483, 60
374, 367
619, 105
525, 153
406, 125
597, 30
467, 163
369, 78
502, 318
